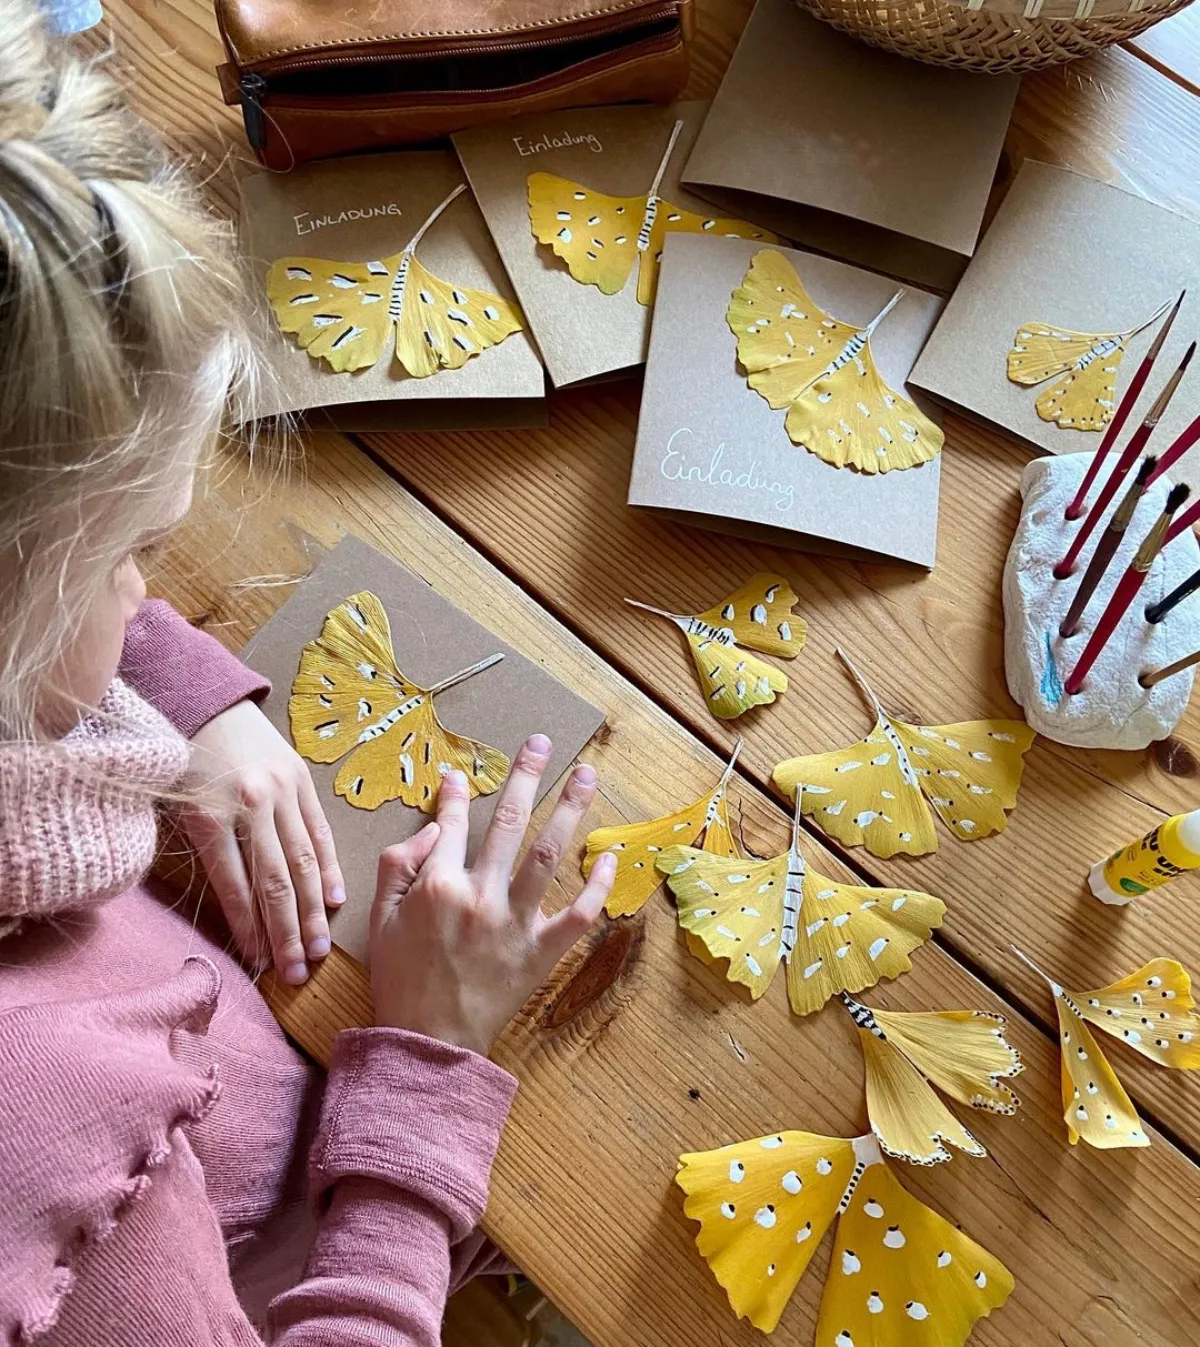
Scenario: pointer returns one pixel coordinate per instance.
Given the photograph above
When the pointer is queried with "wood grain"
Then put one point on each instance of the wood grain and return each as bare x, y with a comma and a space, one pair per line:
636, 1051
1173, 47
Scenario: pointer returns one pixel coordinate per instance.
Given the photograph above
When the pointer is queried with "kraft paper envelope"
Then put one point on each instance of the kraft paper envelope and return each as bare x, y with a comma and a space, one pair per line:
358, 210
501, 706
853, 151
711, 449
1079, 254
582, 333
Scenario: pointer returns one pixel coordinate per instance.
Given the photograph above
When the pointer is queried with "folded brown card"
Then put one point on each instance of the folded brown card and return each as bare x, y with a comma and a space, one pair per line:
734, 456
850, 150
579, 203
409, 727
1069, 270
384, 303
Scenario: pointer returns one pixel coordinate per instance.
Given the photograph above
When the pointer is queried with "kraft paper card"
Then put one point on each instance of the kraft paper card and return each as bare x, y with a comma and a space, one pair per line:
1069, 253
712, 449
852, 151
500, 707
383, 302
580, 181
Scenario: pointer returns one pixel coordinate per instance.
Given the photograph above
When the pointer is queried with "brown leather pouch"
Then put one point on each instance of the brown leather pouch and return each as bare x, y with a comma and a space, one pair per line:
320, 77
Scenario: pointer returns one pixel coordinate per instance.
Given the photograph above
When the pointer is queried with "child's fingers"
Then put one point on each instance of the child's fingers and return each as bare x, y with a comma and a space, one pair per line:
562, 930
506, 832
219, 853
276, 897
542, 860
307, 880
454, 797
399, 866
322, 839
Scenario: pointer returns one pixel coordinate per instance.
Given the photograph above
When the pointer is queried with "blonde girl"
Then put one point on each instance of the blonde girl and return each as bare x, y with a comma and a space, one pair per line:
170, 1171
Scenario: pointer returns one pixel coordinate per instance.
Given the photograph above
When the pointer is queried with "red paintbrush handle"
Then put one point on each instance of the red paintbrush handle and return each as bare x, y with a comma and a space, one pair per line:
1122, 597
1179, 447
1115, 426
1129, 456
1183, 521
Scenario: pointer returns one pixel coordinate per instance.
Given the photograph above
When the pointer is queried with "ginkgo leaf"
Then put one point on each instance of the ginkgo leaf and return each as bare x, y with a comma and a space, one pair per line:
600, 237
349, 694
1084, 395
870, 794
823, 371
963, 1052
1150, 1010
637, 846
345, 312
900, 1274
759, 914
757, 616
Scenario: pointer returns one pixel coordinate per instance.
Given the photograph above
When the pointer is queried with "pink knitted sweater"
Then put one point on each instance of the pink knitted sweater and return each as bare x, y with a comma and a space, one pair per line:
154, 1122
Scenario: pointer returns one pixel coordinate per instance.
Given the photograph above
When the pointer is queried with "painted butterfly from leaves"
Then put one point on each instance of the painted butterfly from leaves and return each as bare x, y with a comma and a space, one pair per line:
600, 237
349, 696
900, 1274
873, 793
757, 616
345, 312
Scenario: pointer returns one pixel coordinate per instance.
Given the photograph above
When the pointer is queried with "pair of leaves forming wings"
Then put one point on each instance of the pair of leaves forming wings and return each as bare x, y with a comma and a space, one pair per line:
823, 371
874, 793
758, 616
345, 312
349, 696
900, 1275
600, 237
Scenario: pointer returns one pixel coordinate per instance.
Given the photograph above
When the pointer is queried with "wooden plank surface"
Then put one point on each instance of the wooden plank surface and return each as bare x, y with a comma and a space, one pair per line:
1173, 47
636, 1051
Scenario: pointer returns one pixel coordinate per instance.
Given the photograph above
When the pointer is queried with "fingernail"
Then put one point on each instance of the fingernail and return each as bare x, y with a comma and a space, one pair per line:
338, 896
585, 774
318, 948
538, 745
295, 973
606, 862
456, 780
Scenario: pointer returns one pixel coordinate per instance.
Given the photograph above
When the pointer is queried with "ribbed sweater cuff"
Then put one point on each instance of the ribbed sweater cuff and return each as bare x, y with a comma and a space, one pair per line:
416, 1113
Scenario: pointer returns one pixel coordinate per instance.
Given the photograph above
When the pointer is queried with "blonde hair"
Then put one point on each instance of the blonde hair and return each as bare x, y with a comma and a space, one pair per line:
121, 340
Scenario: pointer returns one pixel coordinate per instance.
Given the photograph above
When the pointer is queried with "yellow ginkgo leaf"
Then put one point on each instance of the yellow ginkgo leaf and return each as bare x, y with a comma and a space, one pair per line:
870, 794
758, 616
823, 371
900, 1273
963, 1052
600, 237
345, 312
349, 694
760, 914
638, 845
1151, 1010
1087, 363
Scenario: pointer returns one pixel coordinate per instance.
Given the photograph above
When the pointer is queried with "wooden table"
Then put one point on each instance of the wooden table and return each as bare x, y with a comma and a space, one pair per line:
637, 1051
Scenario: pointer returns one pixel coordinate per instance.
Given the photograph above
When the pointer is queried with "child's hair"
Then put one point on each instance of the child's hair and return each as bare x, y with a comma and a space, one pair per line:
121, 342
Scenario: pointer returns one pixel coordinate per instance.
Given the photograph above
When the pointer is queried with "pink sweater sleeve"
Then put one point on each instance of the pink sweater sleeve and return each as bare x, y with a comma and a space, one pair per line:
400, 1166
185, 674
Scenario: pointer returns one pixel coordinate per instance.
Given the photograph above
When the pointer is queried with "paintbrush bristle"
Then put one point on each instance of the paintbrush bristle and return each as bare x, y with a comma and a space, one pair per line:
1178, 494
1187, 357
1149, 463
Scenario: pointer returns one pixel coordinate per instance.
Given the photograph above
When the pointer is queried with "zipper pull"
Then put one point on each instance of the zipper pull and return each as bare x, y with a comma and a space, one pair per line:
253, 87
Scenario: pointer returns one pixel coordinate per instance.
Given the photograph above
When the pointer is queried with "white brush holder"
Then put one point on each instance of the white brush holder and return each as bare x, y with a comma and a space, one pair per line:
1112, 710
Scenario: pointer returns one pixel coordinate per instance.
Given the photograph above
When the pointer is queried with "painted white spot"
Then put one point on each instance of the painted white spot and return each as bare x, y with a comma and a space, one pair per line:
915, 1310
792, 1182
981, 1280
874, 1303
728, 1210
881, 760
835, 809
737, 1171
771, 1143
843, 1340
812, 968
814, 926
894, 1238
898, 903
824, 1166
765, 1216
877, 947
872, 1209
753, 965
851, 1263
804, 1232
944, 1259
727, 933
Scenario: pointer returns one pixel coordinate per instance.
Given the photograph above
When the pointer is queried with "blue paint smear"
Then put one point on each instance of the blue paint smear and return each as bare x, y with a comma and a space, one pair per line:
1051, 686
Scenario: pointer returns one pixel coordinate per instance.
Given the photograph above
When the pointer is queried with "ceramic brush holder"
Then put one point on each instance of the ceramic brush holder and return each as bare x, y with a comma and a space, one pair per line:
1112, 710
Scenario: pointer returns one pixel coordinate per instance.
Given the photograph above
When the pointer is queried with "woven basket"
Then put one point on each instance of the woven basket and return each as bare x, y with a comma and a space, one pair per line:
993, 35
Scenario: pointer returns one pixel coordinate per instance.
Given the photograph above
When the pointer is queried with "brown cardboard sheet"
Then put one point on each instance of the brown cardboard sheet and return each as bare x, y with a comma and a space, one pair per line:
710, 448
502, 706
354, 210
1083, 255
582, 333
853, 151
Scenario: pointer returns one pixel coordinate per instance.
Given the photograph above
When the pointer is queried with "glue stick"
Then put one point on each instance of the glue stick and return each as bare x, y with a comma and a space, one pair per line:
1164, 852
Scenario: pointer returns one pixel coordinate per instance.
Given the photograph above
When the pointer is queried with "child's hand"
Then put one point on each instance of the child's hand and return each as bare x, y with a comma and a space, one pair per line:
455, 953
261, 835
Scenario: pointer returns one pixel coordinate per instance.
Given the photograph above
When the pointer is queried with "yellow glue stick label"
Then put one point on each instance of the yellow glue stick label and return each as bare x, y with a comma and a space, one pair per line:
1150, 861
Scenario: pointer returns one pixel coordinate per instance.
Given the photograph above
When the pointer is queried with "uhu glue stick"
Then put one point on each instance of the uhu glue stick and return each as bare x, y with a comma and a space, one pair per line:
1164, 852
